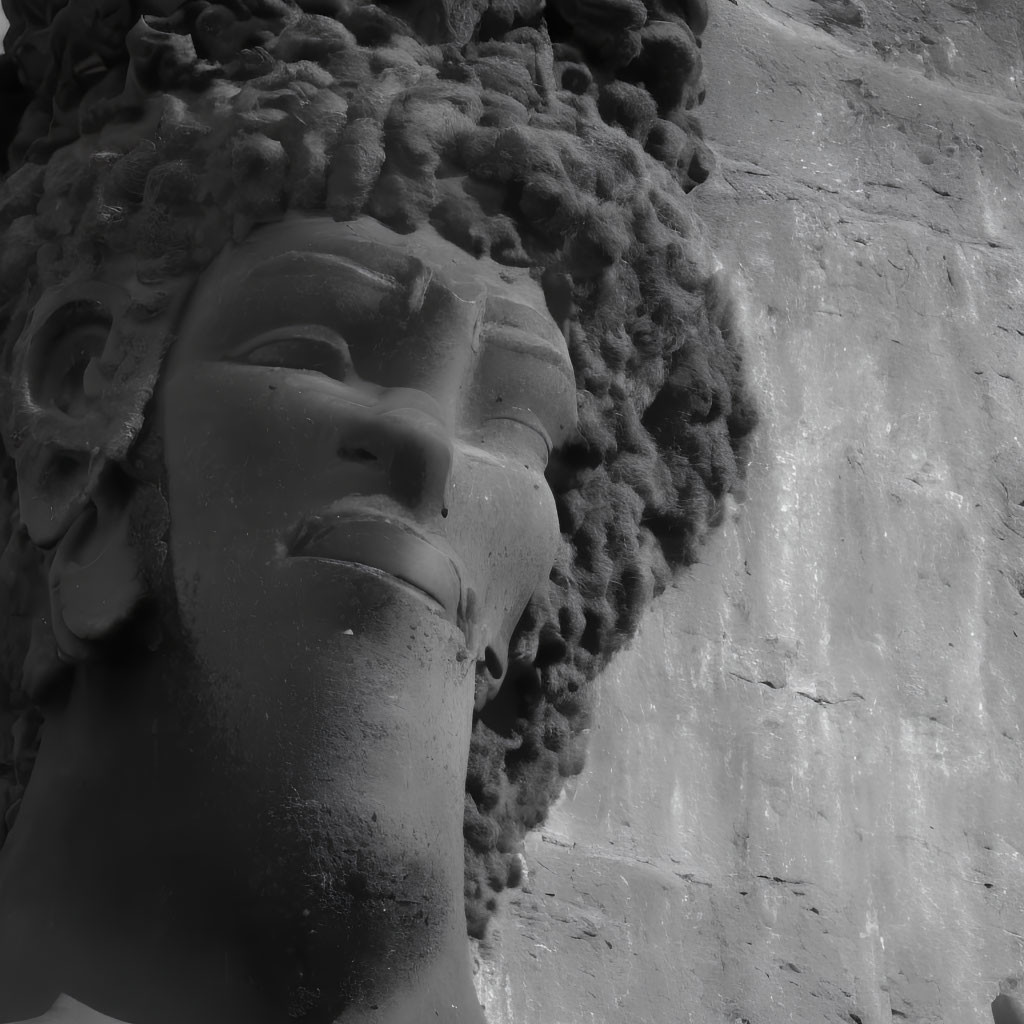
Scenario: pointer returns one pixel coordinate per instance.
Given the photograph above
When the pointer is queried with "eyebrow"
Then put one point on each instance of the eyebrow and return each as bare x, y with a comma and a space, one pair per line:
296, 258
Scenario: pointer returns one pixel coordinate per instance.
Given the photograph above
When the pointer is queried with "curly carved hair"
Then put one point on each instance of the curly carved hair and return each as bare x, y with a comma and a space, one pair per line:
553, 137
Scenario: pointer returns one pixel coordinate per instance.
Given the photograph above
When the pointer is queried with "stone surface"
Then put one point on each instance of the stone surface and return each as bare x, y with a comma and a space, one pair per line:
803, 797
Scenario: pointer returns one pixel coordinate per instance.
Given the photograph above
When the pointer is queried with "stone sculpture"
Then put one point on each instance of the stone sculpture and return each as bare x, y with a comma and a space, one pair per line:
364, 375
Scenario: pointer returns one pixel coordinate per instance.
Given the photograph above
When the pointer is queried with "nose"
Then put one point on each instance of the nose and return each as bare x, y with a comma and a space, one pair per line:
405, 451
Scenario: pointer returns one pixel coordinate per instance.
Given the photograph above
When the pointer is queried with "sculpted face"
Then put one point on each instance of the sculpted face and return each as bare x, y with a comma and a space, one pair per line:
356, 426
376, 409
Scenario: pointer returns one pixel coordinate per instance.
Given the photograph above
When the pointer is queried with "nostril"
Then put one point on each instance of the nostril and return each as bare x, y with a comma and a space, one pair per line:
357, 454
493, 664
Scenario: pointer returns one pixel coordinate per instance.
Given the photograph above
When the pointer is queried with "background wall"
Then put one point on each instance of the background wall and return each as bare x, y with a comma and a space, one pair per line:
804, 795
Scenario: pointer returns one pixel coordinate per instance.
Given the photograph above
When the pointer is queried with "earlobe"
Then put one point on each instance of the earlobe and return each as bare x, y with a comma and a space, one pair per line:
54, 490
95, 577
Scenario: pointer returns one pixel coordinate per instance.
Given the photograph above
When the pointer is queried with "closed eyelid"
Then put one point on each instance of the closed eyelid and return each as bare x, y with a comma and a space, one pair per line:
525, 418
532, 344
292, 332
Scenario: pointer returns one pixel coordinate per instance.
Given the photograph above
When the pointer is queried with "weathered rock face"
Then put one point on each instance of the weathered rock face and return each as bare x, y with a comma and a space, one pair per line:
804, 794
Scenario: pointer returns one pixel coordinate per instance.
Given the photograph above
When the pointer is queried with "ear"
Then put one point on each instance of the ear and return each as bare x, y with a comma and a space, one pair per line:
60, 379
72, 497
95, 575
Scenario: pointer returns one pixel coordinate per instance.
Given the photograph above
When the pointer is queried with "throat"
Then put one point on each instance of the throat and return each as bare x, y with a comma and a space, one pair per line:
152, 878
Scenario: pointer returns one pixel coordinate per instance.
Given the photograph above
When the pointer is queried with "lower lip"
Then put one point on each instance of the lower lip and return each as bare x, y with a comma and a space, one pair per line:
385, 549
380, 574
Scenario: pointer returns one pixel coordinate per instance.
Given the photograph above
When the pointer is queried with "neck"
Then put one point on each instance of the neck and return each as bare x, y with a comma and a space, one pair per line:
156, 879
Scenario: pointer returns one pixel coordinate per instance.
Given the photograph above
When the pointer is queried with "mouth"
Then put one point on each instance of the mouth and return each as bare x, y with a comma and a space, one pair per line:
390, 547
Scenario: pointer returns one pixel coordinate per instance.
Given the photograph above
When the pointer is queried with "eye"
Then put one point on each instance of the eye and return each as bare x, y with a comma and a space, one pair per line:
316, 352
520, 436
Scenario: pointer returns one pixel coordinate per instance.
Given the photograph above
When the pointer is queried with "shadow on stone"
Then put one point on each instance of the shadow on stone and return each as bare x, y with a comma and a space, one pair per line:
1007, 1010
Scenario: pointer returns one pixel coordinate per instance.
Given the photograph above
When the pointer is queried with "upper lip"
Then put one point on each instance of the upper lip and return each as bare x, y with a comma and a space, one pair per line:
389, 544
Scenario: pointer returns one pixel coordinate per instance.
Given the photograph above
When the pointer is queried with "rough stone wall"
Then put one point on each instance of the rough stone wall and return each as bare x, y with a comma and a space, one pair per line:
805, 793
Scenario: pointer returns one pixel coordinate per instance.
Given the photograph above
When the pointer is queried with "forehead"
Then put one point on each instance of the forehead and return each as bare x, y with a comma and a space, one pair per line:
312, 268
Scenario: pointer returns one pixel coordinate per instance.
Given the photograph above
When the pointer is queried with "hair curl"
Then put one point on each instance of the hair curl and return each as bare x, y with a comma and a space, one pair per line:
556, 138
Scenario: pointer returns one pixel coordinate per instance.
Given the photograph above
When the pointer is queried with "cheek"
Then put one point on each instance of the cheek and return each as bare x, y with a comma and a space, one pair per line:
507, 526
222, 455
240, 443
537, 530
